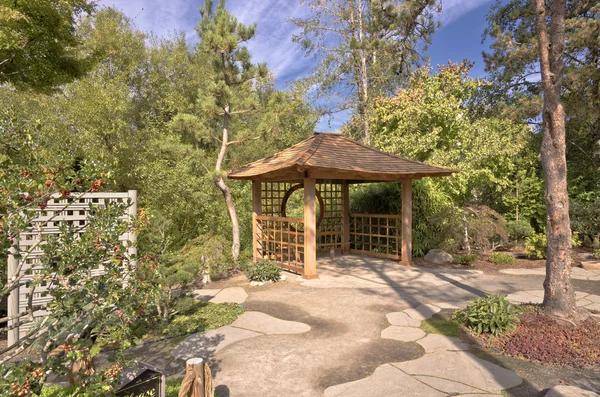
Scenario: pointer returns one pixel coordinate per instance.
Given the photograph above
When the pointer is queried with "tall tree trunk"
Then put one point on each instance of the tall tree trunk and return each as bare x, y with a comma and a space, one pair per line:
364, 99
222, 186
466, 243
559, 295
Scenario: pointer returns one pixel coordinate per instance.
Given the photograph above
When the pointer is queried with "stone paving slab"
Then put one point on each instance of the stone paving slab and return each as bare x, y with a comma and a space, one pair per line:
569, 391
403, 334
447, 386
402, 319
588, 301
422, 312
207, 344
385, 381
435, 342
265, 324
205, 294
233, 294
576, 273
464, 368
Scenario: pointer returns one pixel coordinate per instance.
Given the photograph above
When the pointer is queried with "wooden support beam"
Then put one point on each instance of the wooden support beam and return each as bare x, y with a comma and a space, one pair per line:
310, 230
407, 223
345, 217
256, 211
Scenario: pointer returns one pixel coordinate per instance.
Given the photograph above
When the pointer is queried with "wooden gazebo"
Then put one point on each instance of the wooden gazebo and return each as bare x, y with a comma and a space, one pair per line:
324, 166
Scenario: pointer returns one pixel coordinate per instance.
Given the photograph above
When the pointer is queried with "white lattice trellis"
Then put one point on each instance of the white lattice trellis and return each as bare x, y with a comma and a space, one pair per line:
73, 210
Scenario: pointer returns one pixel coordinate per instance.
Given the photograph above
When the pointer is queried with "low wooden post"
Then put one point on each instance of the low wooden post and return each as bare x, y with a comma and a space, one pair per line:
345, 217
13, 298
310, 232
193, 382
257, 253
407, 222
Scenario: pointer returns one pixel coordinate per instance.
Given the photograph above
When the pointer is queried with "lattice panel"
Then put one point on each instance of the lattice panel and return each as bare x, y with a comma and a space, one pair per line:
281, 240
376, 235
329, 232
272, 196
73, 211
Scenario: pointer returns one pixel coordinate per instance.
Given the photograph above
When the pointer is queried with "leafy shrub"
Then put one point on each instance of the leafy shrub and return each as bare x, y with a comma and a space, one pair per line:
502, 259
491, 314
466, 259
535, 246
187, 305
596, 254
519, 230
596, 243
264, 270
209, 316
585, 217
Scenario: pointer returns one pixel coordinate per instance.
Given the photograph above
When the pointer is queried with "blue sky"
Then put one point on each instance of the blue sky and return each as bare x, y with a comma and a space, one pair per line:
463, 22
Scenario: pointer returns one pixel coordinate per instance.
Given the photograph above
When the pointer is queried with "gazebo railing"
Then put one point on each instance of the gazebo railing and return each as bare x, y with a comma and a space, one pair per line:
281, 239
376, 235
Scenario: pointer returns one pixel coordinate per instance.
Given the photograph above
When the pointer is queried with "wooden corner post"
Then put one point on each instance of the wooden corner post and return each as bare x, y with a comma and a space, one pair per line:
256, 211
310, 232
345, 217
407, 222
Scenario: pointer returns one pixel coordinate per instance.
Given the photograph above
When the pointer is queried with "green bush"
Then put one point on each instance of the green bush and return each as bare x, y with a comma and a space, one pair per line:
466, 259
535, 246
502, 259
491, 314
209, 316
597, 254
519, 230
263, 271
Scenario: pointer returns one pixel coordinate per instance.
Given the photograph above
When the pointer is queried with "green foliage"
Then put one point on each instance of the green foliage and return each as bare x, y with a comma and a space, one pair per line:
38, 42
518, 97
535, 246
585, 217
442, 327
502, 259
209, 316
519, 230
466, 259
438, 119
429, 231
263, 270
490, 314
596, 253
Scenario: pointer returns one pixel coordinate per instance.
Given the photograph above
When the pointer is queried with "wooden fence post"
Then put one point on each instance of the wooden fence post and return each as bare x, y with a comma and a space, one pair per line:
198, 379
132, 212
13, 298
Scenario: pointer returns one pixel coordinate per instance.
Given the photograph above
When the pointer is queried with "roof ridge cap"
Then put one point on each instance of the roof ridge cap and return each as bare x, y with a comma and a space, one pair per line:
303, 159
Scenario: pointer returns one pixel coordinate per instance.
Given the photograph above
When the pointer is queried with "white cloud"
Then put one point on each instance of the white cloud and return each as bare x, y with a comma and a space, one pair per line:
454, 9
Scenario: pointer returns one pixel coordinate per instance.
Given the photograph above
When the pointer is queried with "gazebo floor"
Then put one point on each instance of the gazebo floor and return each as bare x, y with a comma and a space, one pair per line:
360, 271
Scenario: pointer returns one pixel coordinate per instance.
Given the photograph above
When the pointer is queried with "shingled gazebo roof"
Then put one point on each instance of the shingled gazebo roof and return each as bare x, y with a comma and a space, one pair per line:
333, 156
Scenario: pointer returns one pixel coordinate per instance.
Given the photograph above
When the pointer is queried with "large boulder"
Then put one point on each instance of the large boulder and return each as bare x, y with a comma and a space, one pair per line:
438, 256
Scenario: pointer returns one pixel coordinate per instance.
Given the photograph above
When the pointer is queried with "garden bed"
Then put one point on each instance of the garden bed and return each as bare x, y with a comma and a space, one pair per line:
539, 338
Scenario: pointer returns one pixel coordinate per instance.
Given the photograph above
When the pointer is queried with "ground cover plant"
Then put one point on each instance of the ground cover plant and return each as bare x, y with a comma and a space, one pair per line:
206, 316
502, 259
465, 259
442, 327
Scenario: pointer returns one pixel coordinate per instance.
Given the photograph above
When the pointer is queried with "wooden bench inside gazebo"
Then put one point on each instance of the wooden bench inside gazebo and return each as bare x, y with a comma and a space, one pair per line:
324, 166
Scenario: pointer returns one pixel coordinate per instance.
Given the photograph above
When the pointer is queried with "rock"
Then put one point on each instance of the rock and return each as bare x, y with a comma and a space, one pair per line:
591, 265
438, 256
282, 278
569, 391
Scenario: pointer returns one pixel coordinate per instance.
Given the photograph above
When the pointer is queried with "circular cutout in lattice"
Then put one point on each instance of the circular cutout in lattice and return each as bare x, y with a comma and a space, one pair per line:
288, 194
